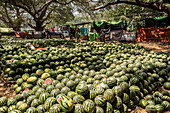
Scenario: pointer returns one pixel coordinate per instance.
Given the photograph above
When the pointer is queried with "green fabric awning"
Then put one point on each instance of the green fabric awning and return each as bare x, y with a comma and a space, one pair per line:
159, 18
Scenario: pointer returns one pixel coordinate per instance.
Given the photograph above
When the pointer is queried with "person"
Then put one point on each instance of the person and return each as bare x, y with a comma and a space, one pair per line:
43, 34
102, 36
78, 34
32, 34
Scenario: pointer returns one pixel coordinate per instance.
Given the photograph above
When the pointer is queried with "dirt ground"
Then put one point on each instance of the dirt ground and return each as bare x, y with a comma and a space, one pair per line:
6, 90
158, 47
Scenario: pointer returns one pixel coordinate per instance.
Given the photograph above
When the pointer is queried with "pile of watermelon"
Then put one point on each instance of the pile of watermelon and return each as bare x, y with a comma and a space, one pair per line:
88, 77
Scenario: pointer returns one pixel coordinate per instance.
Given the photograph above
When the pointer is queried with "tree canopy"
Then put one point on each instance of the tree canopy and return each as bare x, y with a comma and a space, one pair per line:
38, 13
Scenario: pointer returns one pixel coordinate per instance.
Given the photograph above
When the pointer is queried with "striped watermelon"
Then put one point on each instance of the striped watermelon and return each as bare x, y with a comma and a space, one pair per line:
78, 99
100, 100
89, 106
40, 109
3, 101
124, 86
18, 97
71, 94
55, 92
93, 94
117, 90
39, 92
157, 100
166, 105
48, 80
31, 110
65, 103
143, 103
82, 89
109, 107
23, 107
19, 103
11, 102
15, 111
124, 108
79, 108
49, 88
99, 90
49, 102
109, 95
99, 110
159, 108
30, 99
35, 103
118, 102
149, 97
111, 81
3, 109
125, 98
43, 97
40, 82
55, 109
11, 108
150, 109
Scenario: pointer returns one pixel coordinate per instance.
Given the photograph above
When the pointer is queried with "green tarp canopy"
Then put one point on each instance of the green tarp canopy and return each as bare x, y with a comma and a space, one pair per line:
103, 22
157, 21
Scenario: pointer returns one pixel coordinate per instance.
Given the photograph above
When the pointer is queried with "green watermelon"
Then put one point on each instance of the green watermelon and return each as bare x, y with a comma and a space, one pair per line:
100, 100
89, 106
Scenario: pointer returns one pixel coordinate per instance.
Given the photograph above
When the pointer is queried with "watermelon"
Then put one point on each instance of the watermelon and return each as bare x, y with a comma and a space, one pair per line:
49, 88
167, 85
118, 102
82, 89
150, 109
93, 94
55, 92
15, 111
3, 109
100, 100
117, 90
99, 110
166, 105
149, 97
30, 99
159, 108
32, 80
109, 107
49, 102
40, 109
13, 107
43, 97
89, 106
48, 80
109, 95
35, 103
55, 109
143, 103
99, 90
31, 110
79, 108
71, 94
11, 102
3, 101
23, 107
65, 103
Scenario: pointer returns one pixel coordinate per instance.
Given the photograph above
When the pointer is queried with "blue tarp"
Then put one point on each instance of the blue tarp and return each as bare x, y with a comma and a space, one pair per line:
83, 31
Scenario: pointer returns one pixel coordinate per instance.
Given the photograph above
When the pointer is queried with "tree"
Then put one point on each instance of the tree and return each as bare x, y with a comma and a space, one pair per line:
39, 12
11, 16
159, 5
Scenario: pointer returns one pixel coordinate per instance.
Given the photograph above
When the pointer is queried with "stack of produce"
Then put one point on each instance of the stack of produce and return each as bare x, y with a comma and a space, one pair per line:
86, 78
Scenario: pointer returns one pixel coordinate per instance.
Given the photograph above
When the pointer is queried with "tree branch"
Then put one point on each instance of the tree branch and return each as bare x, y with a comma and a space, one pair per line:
154, 6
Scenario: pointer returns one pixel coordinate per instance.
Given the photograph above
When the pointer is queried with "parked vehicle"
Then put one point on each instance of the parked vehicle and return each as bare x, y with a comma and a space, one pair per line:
65, 33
